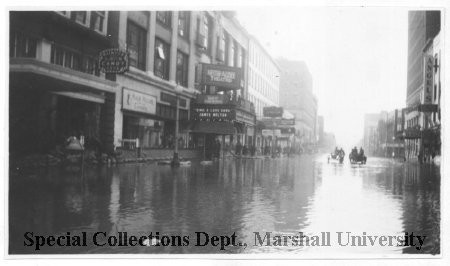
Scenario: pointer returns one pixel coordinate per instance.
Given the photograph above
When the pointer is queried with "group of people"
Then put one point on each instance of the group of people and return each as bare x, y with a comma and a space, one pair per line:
356, 153
339, 151
244, 149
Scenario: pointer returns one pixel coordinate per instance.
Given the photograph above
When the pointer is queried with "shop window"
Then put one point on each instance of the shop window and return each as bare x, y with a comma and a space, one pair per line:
183, 24
22, 46
182, 69
97, 18
162, 55
79, 16
164, 18
136, 43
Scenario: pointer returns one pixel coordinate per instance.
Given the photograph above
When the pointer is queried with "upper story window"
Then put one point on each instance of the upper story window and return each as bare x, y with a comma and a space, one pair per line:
182, 69
79, 16
164, 18
162, 59
206, 29
183, 24
221, 42
233, 54
97, 19
73, 59
136, 43
21, 45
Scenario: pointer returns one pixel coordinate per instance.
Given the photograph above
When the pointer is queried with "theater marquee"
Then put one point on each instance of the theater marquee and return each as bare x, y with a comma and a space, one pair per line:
221, 76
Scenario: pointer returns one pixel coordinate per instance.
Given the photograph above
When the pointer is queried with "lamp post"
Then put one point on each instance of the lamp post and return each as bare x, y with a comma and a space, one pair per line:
176, 159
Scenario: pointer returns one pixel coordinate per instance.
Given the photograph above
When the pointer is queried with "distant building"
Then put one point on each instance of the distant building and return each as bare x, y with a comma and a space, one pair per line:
371, 138
296, 97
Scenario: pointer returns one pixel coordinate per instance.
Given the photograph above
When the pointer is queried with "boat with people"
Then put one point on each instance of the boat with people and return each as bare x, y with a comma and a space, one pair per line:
357, 157
337, 155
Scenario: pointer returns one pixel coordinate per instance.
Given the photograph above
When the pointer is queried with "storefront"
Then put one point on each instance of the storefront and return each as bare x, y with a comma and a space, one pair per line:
46, 110
153, 122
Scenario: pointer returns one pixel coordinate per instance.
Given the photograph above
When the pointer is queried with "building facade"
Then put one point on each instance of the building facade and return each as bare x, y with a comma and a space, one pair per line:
296, 97
56, 89
422, 114
263, 78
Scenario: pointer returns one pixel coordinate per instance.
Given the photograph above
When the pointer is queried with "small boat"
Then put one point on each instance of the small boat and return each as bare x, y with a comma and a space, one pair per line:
185, 163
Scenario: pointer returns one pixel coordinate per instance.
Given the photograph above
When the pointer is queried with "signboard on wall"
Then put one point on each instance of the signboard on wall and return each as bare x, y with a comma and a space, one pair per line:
221, 76
428, 79
113, 61
273, 111
138, 102
245, 117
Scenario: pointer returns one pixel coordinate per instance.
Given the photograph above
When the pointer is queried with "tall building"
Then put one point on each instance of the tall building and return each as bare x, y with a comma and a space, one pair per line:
422, 115
296, 97
263, 78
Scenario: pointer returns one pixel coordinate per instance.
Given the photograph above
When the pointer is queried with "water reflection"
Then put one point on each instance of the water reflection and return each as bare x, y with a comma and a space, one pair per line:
283, 196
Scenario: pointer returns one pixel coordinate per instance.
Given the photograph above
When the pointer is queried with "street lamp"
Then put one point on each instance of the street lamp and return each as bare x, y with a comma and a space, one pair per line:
176, 158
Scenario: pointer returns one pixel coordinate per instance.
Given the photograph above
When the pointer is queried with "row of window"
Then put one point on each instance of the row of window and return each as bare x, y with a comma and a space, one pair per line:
263, 64
164, 18
95, 20
137, 44
262, 86
74, 60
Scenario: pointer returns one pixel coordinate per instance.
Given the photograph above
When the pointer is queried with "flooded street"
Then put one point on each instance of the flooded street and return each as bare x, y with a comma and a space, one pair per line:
283, 196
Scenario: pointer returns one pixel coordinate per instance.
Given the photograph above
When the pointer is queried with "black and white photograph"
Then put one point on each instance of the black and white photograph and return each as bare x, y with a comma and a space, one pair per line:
236, 132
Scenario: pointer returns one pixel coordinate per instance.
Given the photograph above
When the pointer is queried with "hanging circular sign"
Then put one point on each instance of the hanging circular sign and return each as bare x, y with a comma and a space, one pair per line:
113, 61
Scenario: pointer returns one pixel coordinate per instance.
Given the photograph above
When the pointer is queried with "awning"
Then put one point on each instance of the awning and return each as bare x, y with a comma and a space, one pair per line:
86, 96
220, 128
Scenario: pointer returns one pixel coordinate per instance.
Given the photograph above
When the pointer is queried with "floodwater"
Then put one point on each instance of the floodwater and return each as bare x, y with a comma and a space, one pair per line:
259, 201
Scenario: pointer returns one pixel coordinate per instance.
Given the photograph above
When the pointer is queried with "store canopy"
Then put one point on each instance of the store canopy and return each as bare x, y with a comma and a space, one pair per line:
220, 128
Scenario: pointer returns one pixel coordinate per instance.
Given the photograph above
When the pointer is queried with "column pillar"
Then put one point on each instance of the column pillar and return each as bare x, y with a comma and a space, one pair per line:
122, 32
151, 42
191, 60
173, 47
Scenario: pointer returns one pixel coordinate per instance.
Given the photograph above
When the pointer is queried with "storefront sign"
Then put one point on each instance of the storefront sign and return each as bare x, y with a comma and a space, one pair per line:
221, 76
267, 132
428, 79
138, 102
214, 99
113, 61
168, 98
245, 117
278, 122
428, 108
271, 132
273, 111
412, 133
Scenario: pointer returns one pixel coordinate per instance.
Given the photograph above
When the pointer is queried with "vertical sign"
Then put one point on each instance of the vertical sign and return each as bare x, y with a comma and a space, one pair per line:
428, 79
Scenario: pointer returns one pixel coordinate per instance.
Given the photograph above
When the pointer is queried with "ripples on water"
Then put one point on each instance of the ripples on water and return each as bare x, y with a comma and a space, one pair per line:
284, 196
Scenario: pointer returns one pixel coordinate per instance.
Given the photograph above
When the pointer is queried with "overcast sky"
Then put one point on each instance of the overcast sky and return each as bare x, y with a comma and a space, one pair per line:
357, 57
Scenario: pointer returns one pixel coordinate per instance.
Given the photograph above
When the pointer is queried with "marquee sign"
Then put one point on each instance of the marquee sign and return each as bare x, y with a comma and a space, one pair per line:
221, 76
113, 61
138, 102
217, 113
